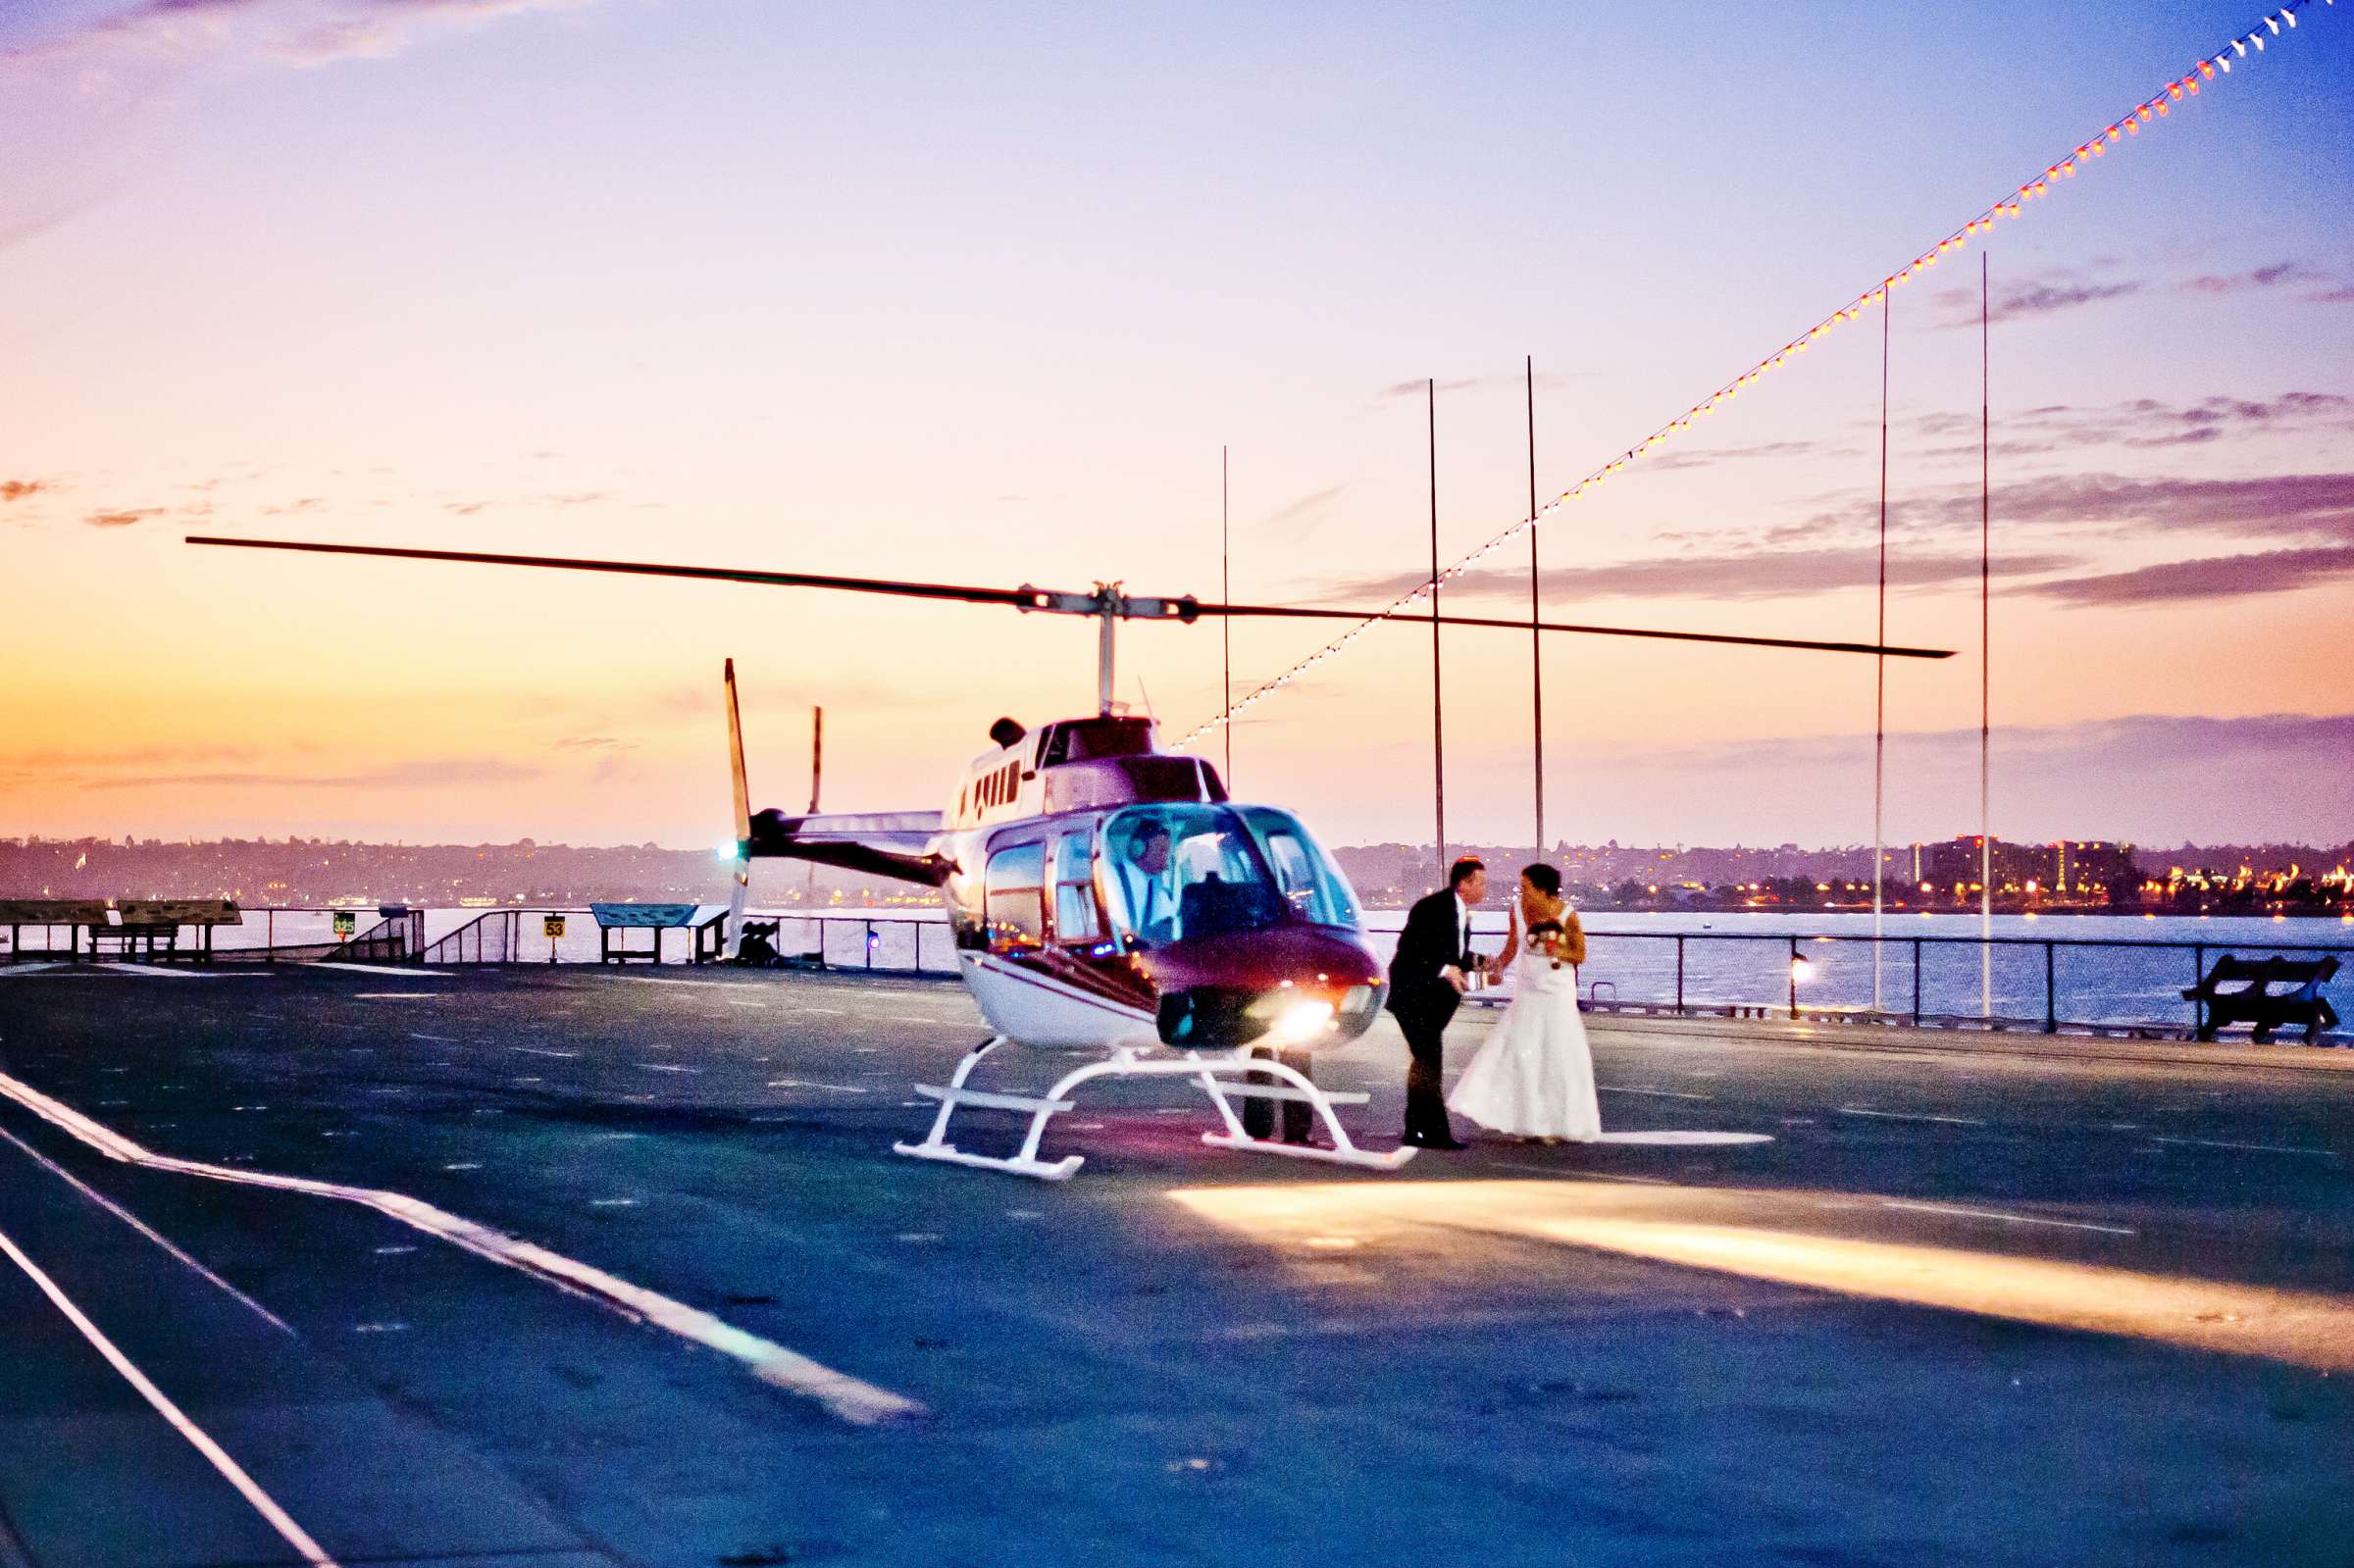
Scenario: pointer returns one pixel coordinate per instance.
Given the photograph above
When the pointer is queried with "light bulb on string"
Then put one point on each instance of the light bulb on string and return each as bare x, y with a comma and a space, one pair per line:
2013, 206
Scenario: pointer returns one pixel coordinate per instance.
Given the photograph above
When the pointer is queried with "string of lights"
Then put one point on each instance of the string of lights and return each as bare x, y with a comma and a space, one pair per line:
2010, 204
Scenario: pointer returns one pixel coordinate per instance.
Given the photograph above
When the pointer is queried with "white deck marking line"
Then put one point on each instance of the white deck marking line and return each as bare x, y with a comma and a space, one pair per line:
664, 1067
2012, 1219
849, 1398
802, 1083
2260, 1149
536, 1050
834, 1011
149, 971
142, 1227
1655, 1093
397, 996
1910, 1116
11, 971
656, 980
404, 971
231, 1471
439, 1039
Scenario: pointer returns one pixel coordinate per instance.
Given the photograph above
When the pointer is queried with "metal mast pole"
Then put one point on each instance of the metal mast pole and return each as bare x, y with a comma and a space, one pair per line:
1879, 676
1107, 618
1226, 622
817, 775
1536, 638
817, 754
1438, 700
1985, 656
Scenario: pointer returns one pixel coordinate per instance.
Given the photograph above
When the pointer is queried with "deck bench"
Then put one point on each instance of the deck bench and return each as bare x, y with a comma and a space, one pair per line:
150, 927
2266, 993
615, 919
76, 915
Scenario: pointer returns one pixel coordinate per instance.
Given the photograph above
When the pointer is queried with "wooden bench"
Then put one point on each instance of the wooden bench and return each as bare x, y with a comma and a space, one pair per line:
150, 927
2241, 990
653, 918
75, 914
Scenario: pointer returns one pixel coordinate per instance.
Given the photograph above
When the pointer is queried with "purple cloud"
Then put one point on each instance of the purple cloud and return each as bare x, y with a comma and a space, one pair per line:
2266, 506
423, 774
2220, 576
1732, 576
2141, 421
303, 33
2051, 295
2270, 776
2287, 272
1709, 457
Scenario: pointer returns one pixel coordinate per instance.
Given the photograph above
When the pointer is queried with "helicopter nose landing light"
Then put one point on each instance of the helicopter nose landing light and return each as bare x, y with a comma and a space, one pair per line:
1300, 1020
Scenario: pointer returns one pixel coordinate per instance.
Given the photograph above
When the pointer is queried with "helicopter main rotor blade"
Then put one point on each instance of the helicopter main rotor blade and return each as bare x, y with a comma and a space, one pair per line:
1018, 598
1296, 612
1041, 599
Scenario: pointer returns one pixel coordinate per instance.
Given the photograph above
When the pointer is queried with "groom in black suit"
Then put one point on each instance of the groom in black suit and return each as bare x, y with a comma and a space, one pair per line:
1427, 981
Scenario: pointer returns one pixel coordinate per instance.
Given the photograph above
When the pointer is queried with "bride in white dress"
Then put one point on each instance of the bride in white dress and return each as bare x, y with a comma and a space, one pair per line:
1535, 1075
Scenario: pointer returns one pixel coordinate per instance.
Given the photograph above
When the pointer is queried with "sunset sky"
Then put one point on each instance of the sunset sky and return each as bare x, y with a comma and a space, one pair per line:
976, 294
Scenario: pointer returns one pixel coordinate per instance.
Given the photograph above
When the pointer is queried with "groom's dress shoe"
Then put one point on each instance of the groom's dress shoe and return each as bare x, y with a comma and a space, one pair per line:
1437, 1140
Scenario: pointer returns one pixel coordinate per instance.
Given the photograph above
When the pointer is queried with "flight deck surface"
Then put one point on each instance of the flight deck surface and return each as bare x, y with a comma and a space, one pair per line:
2026, 1302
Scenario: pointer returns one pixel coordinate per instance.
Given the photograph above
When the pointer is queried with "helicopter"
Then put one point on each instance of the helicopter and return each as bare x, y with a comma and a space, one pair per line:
1105, 896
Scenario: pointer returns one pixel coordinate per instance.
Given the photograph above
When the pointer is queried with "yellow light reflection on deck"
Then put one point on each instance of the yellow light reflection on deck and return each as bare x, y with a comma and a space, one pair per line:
1821, 1240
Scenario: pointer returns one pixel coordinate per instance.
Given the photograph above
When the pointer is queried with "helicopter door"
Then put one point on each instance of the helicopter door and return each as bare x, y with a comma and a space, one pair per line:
1078, 922
1015, 900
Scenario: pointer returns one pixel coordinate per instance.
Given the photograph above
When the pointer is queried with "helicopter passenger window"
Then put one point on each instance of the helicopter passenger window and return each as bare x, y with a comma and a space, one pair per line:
1015, 898
1075, 919
1179, 871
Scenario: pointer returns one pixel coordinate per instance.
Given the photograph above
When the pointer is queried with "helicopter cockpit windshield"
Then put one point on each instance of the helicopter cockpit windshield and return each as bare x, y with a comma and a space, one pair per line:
1181, 870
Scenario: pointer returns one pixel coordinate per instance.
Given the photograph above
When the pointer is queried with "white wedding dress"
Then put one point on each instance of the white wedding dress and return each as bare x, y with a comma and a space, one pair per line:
1535, 1075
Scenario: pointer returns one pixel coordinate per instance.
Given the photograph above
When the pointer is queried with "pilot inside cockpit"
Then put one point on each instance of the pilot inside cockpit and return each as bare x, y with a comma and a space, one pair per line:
1180, 871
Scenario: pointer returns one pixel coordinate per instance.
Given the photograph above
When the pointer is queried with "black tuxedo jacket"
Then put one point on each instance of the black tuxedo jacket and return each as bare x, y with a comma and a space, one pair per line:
1433, 938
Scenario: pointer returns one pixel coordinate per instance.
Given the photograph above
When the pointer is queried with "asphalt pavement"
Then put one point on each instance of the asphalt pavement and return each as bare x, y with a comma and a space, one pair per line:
569, 1266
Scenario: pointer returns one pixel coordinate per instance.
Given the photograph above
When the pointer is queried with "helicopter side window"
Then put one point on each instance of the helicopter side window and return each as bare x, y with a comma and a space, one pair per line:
1015, 898
1075, 919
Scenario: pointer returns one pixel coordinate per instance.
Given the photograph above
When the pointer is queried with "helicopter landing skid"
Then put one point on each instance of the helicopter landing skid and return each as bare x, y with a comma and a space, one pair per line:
1215, 1071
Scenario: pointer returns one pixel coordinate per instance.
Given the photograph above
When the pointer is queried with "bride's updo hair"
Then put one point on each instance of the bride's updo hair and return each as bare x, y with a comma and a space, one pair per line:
1547, 879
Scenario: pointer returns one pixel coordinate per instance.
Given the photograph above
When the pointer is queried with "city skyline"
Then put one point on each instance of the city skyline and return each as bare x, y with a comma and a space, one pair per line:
1942, 875
983, 302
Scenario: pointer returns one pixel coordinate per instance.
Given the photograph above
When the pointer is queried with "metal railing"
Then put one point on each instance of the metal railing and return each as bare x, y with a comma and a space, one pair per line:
495, 937
2048, 983
882, 945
